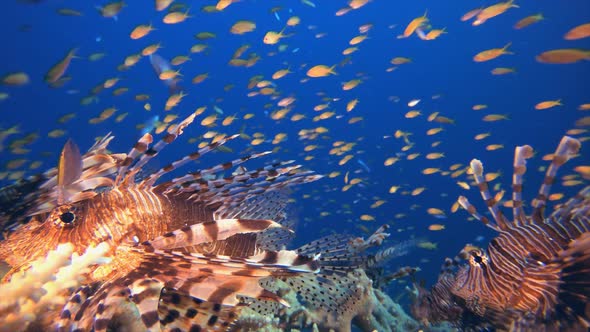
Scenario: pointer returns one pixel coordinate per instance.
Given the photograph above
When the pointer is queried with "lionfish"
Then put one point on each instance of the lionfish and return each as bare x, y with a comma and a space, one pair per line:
183, 255
535, 275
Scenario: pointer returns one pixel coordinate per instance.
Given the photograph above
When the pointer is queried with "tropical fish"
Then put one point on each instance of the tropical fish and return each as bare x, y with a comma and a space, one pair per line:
58, 70
160, 66
158, 234
533, 275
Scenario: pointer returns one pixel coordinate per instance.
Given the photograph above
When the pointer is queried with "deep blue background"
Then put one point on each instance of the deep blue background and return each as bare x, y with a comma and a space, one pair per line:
443, 66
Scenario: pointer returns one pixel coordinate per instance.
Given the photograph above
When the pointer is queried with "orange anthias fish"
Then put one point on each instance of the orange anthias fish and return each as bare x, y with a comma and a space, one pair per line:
493, 11
58, 70
525, 22
413, 25
321, 71
548, 104
491, 53
579, 32
153, 235
563, 56
273, 37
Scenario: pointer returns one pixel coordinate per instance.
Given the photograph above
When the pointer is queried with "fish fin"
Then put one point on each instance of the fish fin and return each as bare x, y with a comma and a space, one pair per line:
210, 231
521, 154
74, 308
194, 181
69, 169
501, 223
97, 310
231, 191
332, 294
173, 132
151, 179
566, 149
140, 147
220, 279
337, 254
182, 312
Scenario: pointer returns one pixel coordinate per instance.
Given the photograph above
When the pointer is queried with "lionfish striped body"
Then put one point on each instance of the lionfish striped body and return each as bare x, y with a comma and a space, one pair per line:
188, 245
535, 273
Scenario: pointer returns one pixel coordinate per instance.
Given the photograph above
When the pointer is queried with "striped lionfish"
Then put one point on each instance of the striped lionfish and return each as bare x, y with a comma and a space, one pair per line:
535, 275
182, 252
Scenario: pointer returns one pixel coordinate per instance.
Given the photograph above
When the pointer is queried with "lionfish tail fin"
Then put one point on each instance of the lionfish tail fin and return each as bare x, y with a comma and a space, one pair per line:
567, 148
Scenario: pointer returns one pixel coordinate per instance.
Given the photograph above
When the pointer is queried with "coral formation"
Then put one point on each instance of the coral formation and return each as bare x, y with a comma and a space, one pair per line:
29, 295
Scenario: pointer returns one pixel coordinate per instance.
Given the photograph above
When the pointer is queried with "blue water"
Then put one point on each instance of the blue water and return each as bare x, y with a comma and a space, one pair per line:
441, 67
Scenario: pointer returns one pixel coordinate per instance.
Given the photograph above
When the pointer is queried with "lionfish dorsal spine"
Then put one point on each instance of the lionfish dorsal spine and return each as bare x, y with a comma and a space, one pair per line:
140, 147
150, 180
204, 173
478, 174
169, 137
567, 147
521, 154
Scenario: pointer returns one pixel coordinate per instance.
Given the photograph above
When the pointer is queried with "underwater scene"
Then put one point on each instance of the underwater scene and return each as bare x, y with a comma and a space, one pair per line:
295, 165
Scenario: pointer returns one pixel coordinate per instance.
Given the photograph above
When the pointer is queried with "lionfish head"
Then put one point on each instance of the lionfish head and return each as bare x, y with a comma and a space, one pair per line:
60, 210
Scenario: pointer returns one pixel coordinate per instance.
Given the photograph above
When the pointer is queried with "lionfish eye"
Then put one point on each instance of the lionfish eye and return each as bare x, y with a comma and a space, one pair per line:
478, 259
67, 217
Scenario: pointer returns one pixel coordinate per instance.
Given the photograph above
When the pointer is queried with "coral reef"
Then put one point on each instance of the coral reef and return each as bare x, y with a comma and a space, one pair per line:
46, 285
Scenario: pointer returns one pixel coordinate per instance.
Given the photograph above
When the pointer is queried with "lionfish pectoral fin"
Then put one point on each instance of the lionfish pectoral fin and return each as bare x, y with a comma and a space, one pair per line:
69, 169
181, 312
210, 231
74, 308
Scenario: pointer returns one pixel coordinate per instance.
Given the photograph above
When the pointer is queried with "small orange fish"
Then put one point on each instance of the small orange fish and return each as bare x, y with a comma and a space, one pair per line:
58, 70
563, 56
579, 32
176, 17
502, 71
548, 104
141, 31
495, 117
493, 11
436, 227
490, 54
273, 37
525, 22
470, 14
413, 25
321, 71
